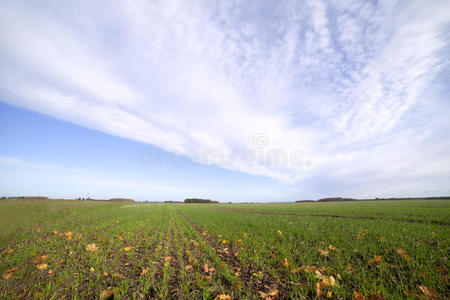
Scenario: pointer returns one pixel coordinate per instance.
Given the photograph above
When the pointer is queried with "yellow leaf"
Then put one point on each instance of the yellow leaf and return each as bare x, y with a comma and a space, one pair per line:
237, 274
145, 271
105, 274
286, 263
55, 232
92, 269
224, 242
42, 266
91, 247
128, 248
223, 296
245, 234
329, 294
68, 233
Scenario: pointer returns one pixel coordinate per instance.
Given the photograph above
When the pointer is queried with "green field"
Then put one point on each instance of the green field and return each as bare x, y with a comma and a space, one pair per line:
87, 249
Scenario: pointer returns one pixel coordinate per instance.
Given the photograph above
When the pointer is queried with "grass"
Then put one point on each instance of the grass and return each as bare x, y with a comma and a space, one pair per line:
381, 249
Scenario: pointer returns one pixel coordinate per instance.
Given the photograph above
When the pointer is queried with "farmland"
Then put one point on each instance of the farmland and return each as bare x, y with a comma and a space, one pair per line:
87, 249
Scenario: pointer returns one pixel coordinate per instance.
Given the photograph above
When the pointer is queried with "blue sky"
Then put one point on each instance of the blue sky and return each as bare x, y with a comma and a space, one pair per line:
235, 100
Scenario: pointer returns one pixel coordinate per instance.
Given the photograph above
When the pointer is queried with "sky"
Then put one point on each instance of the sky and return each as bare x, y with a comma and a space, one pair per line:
241, 101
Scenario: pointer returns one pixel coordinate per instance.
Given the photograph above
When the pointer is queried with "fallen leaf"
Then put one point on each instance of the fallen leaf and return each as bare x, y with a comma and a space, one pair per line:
55, 232
245, 234
107, 294
279, 232
117, 275
117, 222
145, 271
237, 274
91, 247
358, 296
42, 266
286, 263
38, 230
68, 233
105, 274
430, 293
206, 277
92, 269
224, 242
128, 248
50, 272
329, 294
205, 268
324, 252
188, 267
9, 272
318, 290
375, 297
120, 237
223, 296
167, 258
238, 242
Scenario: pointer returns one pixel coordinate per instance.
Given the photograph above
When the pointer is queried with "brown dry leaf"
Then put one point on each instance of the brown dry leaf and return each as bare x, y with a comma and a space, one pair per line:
9, 272
238, 242
205, 268
105, 274
237, 274
279, 232
68, 233
167, 258
273, 293
295, 270
430, 293
120, 236
42, 266
117, 222
44, 257
128, 248
38, 230
50, 272
117, 275
339, 276
324, 252
375, 297
188, 267
401, 251
286, 263
331, 247
318, 290
55, 232
107, 294
358, 296
245, 234
91, 247
145, 271
204, 277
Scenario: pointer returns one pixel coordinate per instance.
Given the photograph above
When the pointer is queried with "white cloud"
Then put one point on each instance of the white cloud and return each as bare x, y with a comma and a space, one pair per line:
342, 81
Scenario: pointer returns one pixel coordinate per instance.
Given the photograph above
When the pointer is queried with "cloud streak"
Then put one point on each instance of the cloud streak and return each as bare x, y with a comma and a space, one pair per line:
349, 83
